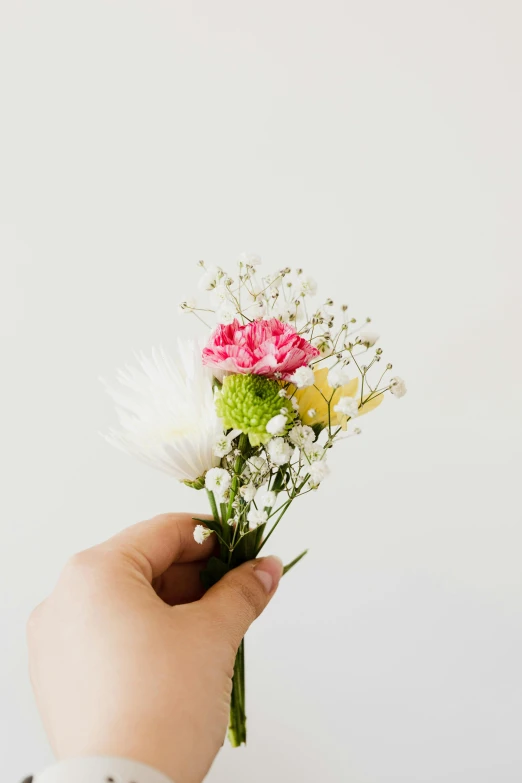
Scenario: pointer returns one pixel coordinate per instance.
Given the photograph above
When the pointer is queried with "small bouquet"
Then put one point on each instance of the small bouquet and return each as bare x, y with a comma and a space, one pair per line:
251, 415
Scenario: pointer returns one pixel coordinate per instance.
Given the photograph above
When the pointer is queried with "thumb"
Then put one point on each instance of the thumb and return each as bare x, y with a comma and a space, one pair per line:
241, 595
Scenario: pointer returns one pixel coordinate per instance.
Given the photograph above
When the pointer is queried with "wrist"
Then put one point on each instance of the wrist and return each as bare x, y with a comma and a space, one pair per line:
101, 769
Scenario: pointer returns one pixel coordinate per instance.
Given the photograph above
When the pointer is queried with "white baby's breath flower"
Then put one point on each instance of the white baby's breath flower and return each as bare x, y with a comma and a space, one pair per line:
305, 285
217, 480
318, 472
282, 310
312, 412
302, 436
209, 278
295, 404
248, 492
345, 315
226, 313
249, 258
223, 445
398, 387
338, 376
277, 425
201, 533
347, 406
256, 517
257, 463
279, 451
218, 295
369, 338
324, 345
283, 393
258, 309
327, 312
314, 452
188, 306
274, 281
265, 498
166, 412
302, 377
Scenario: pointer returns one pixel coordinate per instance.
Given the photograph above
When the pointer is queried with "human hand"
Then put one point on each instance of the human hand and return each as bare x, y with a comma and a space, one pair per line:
129, 658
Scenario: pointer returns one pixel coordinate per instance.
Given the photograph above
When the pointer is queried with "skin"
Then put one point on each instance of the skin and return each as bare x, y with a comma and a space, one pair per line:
129, 658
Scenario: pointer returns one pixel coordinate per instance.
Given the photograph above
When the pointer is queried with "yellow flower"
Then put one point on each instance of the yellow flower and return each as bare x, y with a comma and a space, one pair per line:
313, 407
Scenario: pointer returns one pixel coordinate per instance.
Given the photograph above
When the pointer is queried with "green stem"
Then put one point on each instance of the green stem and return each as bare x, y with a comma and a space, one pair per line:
224, 530
213, 505
284, 509
238, 467
237, 723
294, 562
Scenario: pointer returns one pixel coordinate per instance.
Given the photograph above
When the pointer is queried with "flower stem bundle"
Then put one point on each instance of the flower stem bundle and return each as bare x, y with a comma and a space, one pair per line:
253, 414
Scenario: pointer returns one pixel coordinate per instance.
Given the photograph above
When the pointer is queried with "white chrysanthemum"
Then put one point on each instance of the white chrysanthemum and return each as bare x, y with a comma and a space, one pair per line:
256, 517
279, 451
398, 387
302, 377
277, 424
201, 533
338, 376
318, 472
166, 412
217, 480
347, 406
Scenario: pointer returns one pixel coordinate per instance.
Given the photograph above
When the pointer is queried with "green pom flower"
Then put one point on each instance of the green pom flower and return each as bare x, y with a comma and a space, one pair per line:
249, 402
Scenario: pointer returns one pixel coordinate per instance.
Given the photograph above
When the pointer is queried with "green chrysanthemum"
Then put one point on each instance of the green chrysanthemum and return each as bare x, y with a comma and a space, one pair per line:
248, 402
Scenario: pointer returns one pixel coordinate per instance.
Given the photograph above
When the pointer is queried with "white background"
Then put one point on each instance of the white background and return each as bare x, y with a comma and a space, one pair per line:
376, 144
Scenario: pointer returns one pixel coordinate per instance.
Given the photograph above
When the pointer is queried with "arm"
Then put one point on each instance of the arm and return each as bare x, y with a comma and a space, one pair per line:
130, 659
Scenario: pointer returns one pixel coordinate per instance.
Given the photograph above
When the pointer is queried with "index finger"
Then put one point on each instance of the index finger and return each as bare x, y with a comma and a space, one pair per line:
157, 543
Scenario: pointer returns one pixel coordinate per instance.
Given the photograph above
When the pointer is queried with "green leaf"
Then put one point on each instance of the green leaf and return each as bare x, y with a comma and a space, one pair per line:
287, 568
213, 572
247, 546
317, 428
259, 538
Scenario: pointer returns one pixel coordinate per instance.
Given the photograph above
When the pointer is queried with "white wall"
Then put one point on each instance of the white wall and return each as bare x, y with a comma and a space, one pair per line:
377, 144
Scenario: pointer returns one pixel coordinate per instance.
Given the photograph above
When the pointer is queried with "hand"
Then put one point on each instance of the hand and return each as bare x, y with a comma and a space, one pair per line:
129, 658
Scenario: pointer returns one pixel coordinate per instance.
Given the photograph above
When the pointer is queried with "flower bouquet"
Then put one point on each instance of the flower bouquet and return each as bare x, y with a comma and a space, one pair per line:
250, 416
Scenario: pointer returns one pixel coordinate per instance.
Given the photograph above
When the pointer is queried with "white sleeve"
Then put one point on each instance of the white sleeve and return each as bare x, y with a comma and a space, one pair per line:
100, 770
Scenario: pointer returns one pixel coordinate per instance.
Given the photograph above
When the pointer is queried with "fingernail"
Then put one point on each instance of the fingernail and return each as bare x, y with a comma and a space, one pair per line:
269, 571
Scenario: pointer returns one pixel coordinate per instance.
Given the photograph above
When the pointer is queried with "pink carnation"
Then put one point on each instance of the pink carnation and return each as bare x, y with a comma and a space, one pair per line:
260, 347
